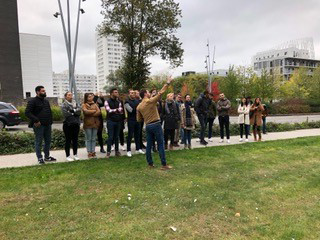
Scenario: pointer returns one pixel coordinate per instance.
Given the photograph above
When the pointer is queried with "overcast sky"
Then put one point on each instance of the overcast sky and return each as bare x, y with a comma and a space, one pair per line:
239, 29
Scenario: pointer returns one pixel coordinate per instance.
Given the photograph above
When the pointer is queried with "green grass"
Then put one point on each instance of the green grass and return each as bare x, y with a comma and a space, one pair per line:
275, 186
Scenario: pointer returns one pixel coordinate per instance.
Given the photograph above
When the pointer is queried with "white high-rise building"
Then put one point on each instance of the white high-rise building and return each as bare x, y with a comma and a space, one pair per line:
85, 83
36, 63
109, 54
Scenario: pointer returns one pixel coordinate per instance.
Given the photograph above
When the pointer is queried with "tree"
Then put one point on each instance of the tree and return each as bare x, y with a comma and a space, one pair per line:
231, 85
147, 28
315, 84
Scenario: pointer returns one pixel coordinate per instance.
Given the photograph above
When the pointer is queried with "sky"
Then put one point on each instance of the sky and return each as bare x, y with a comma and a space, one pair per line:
238, 29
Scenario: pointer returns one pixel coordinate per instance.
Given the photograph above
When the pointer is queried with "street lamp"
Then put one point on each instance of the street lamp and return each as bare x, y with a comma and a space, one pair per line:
67, 38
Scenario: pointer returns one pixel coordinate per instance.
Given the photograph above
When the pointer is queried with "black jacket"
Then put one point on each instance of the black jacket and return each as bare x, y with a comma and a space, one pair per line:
131, 107
202, 105
71, 115
115, 111
38, 109
171, 119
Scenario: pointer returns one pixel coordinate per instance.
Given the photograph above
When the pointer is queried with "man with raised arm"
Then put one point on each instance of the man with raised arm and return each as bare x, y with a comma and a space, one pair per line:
147, 111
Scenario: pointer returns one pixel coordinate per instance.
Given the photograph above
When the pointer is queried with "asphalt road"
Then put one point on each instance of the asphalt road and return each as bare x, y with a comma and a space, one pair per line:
233, 119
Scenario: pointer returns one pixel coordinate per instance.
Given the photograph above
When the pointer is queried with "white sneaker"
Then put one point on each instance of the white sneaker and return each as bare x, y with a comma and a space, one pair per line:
69, 159
112, 148
75, 157
123, 148
210, 140
247, 140
129, 154
221, 141
198, 140
228, 141
141, 152
240, 140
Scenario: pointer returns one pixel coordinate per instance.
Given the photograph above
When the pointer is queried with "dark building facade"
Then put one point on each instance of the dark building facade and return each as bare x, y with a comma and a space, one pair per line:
11, 88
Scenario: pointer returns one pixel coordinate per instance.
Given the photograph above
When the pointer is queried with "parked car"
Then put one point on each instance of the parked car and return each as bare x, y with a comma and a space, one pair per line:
9, 115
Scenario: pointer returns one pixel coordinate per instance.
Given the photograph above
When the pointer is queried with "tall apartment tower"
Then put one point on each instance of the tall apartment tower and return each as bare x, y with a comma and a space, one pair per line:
109, 54
10, 63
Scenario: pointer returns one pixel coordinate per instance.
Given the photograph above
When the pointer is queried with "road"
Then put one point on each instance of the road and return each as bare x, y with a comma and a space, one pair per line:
233, 119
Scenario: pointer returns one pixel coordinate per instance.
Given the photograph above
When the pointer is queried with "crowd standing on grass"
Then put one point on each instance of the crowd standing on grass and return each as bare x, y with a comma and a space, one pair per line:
166, 122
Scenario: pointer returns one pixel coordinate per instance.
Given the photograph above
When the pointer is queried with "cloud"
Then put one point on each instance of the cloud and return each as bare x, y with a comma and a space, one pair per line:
238, 29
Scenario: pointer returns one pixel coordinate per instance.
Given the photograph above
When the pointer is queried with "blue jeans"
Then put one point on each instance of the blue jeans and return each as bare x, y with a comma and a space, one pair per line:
264, 125
203, 124
113, 135
187, 136
210, 123
154, 132
133, 130
91, 135
42, 132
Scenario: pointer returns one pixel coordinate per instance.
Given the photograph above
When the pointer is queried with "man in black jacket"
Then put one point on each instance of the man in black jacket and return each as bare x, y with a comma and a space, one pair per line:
133, 125
202, 107
115, 111
39, 112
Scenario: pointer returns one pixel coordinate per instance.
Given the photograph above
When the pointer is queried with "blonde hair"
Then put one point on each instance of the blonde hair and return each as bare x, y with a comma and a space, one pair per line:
169, 94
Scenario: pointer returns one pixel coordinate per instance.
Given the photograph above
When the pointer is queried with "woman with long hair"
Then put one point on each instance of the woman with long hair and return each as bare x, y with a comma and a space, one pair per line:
256, 118
244, 119
71, 125
171, 117
91, 123
188, 120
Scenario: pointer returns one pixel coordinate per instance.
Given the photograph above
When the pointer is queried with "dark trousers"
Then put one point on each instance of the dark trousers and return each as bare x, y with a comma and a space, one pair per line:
224, 122
140, 134
169, 133
154, 131
210, 123
113, 135
187, 136
246, 129
264, 125
203, 125
100, 138
71, 133
133, 130
42, 133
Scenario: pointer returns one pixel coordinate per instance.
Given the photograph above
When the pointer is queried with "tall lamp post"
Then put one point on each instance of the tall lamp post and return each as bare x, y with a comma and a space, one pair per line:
209, 66
67, 37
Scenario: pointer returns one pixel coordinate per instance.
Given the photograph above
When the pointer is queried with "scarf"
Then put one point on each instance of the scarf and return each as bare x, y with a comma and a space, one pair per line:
188, 106
174, 106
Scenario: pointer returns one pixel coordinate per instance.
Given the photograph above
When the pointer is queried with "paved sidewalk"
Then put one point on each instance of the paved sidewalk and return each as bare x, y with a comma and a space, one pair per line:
29, 159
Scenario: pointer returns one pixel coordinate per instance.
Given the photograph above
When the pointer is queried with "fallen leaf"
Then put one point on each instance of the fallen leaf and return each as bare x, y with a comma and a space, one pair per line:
195, 200
237, 214
173, 228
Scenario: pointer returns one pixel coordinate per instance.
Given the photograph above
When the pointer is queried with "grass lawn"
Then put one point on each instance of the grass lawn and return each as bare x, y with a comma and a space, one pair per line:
275, 186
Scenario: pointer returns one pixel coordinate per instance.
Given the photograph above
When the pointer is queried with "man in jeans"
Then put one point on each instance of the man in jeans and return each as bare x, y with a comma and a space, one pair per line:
147, 111
39, 112
179, 133
114, 117
223, 107
133, 126
202, 107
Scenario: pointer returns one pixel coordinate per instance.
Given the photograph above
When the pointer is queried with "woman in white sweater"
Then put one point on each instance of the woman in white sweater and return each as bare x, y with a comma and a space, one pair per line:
244, 118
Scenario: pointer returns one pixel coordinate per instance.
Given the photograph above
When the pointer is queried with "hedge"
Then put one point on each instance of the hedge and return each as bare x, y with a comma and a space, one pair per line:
23, 142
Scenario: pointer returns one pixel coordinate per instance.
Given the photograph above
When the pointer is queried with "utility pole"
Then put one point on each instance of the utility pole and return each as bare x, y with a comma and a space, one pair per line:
67, 37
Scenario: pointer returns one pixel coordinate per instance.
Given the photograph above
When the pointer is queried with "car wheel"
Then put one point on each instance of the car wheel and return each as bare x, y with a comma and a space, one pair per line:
2, 124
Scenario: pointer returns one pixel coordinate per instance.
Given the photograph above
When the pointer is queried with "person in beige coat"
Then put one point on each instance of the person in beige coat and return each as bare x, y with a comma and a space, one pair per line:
188, 120
244, 119
91, 123
256, 118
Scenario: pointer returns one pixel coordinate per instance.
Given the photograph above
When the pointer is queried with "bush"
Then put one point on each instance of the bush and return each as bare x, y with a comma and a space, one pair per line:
290, 106
55, 110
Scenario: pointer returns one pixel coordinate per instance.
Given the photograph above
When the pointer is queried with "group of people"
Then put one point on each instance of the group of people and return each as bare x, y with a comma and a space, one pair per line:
170, 120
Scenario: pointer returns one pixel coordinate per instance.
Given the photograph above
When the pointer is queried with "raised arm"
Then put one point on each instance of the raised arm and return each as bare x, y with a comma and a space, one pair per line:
163, 89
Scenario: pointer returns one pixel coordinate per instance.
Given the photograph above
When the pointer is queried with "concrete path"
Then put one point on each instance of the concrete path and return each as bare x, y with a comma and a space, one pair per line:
29, 159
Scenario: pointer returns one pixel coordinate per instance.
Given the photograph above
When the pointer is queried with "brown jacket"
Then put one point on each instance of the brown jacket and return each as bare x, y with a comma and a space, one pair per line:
256, 114
91, 113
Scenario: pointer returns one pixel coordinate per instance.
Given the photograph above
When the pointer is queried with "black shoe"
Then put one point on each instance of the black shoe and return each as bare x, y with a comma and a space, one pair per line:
40, 161
204, 143
50, 159
102, 150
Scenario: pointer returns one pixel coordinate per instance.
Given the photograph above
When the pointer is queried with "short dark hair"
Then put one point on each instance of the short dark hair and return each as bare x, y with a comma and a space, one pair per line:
112, 90
142, 92
187, 95
153, 89
205, 92
38, 88
67, 93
